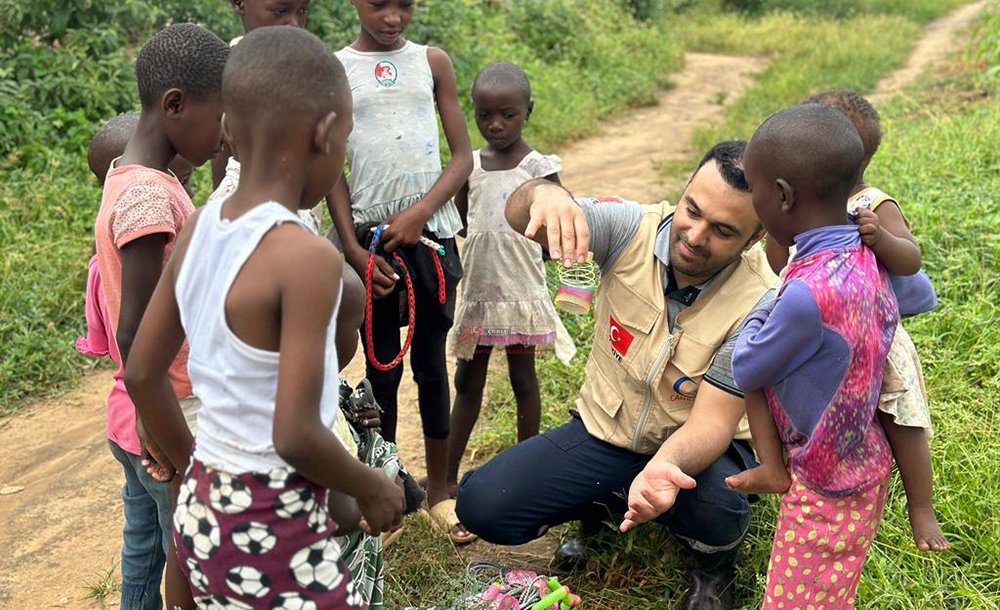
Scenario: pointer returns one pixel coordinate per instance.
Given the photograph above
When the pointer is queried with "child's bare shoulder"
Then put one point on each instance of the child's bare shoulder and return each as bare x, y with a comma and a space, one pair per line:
438, 60
297, 252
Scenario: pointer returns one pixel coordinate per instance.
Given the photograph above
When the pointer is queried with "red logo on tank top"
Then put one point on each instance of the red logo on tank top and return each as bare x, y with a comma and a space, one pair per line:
385, 73
620, 338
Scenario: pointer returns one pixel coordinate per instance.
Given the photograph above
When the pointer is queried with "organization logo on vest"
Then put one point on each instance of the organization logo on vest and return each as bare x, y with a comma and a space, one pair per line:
620, 338
684, 388
385, 73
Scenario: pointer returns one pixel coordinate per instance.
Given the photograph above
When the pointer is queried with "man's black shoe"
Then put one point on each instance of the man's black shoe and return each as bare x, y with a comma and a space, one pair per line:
571, 555
709, 591
711, 577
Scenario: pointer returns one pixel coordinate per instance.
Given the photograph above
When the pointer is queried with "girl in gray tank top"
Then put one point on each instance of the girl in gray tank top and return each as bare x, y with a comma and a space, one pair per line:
396, 180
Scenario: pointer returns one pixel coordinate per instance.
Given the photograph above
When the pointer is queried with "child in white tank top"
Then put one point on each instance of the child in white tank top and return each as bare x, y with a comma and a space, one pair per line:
269, 484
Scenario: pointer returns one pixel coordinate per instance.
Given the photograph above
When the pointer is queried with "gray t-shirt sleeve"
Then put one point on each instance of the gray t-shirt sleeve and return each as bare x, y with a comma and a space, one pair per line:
720, 372
613, 223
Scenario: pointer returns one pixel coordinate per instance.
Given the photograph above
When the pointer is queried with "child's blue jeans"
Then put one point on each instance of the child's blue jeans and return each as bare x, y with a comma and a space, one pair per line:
148, 523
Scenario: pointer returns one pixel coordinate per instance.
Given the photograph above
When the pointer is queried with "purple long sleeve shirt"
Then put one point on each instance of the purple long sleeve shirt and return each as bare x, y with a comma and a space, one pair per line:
818, 351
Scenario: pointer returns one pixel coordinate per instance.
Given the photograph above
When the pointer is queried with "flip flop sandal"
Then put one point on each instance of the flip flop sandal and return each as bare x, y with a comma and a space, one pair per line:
388, 538
443, 519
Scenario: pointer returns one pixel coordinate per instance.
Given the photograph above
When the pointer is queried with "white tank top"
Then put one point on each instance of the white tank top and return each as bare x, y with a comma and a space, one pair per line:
236, 382
394, 151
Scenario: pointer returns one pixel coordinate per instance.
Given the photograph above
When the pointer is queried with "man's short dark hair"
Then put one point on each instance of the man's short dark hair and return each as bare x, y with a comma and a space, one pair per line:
728, 156
505, 73
183, 56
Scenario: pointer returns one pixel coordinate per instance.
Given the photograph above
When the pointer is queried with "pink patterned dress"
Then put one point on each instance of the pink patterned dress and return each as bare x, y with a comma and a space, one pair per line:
819, 351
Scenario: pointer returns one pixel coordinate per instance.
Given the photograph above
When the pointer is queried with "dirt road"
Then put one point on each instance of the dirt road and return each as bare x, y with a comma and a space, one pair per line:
60, 516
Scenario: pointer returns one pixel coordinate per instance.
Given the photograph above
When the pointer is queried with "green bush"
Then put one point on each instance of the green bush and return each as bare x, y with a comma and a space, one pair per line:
68, 66
552, 29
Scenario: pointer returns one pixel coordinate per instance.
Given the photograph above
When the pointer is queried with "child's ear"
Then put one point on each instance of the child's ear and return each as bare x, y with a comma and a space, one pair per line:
531, 107
787, 195
324, 132
172, 103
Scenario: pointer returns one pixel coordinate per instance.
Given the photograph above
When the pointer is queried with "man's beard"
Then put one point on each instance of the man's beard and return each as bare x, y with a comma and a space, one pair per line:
703, 266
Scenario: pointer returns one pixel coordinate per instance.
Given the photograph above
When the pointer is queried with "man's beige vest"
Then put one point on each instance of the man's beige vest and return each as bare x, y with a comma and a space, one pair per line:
641, 379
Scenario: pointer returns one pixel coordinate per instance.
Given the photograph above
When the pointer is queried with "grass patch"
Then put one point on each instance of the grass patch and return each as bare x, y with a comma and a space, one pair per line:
807, 54
939, 158
106, 584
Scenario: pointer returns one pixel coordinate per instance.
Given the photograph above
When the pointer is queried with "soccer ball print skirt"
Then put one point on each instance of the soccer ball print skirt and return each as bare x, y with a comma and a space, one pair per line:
259, 540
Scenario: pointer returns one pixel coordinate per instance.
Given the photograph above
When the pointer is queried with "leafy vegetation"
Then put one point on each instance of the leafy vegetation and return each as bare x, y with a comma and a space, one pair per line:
67, 67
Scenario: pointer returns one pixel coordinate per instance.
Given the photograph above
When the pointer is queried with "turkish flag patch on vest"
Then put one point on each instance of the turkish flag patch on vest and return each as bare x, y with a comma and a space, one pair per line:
620, 338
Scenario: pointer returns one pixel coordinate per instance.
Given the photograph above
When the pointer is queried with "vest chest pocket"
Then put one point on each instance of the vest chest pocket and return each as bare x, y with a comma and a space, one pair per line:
692, 358
601, 394
627, 321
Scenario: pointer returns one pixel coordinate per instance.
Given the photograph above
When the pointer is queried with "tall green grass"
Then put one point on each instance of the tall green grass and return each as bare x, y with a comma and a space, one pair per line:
940, 159
918, 10
807, 54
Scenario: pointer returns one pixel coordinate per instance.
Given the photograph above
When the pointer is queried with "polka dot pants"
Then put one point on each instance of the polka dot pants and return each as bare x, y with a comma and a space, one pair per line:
820, 544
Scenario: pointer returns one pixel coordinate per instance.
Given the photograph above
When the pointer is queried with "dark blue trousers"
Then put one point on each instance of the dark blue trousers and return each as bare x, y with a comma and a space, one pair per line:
567, 475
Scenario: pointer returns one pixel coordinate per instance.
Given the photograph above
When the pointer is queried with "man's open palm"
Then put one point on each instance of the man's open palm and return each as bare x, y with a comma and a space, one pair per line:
653, 492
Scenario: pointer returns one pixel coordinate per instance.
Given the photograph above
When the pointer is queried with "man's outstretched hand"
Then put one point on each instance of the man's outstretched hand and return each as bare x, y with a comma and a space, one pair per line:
653, 492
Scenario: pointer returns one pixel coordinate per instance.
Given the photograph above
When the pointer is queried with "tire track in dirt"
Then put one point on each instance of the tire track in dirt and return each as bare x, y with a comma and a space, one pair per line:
62, 531
938, 40
625, 157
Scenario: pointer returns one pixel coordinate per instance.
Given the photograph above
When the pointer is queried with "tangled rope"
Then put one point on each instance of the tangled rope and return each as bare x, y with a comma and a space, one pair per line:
410, 302
410, 299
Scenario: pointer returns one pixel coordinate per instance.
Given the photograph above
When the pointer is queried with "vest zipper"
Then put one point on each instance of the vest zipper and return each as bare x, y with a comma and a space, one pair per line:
644, 414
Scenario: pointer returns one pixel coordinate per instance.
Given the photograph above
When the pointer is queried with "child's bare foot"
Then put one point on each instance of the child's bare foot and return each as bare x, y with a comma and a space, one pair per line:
761, 480
927, 533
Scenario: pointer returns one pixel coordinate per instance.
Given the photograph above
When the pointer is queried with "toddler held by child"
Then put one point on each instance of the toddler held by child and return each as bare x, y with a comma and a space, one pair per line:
902, 406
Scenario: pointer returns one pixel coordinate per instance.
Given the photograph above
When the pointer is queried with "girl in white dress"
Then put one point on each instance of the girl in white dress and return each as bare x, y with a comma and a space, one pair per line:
505, 301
